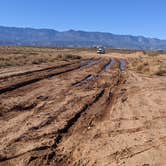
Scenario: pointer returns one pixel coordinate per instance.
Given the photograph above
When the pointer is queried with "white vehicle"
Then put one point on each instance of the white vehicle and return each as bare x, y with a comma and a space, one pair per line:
101, 50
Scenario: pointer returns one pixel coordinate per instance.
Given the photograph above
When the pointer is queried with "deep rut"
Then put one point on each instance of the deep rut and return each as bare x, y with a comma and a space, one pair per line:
61, 132
46, 76
95, 75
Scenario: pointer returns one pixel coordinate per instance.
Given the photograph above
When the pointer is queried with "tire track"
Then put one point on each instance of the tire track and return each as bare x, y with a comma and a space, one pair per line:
93, 77
20, 106
135, 150
109, 65
27, 82
122, 65
61, 132
36, 71
95, 114
102, 96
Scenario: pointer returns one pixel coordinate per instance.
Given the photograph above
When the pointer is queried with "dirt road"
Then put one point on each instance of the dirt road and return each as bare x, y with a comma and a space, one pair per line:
90, 111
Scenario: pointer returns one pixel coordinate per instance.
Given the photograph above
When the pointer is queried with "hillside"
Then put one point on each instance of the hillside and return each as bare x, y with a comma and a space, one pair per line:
47, 37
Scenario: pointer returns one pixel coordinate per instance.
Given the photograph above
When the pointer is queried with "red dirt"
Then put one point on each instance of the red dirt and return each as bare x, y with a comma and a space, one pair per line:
78, 113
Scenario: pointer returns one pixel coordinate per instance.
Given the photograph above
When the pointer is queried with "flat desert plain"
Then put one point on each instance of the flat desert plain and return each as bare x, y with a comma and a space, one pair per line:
72, 107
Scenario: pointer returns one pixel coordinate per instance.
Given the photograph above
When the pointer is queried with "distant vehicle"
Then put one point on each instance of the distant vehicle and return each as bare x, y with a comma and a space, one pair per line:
101, 50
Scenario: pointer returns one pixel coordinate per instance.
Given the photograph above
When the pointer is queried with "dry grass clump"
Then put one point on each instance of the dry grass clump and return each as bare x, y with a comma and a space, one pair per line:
121, 51
153, 65
143, 67
68, 56
152, 53
161, 71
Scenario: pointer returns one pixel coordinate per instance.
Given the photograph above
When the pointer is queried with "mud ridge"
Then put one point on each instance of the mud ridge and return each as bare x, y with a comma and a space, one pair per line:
61, 132
35, 71
78, 82
73, 120
84, 80
91, 63
21, 84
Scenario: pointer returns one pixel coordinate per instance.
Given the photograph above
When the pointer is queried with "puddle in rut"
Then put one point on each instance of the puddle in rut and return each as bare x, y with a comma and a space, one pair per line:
85, 80
90, 63
122, 65
109, 65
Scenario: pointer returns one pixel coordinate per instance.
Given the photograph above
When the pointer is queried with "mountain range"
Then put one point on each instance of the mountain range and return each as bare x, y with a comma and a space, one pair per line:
13, 36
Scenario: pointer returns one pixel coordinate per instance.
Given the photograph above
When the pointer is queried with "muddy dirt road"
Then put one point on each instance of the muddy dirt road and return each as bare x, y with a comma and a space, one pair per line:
90, 111
39, 108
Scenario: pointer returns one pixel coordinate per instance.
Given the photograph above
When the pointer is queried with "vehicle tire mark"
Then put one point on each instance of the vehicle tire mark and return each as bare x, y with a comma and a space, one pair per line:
133, 151
60, 133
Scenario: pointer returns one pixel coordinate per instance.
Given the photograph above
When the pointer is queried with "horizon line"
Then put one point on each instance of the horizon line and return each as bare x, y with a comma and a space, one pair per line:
88, 31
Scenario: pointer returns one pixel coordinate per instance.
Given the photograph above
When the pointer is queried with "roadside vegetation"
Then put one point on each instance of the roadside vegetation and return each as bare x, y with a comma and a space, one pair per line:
20, 56
149, 62
152, 64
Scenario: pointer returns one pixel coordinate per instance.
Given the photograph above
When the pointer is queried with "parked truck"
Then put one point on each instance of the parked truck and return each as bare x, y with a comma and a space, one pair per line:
101, 50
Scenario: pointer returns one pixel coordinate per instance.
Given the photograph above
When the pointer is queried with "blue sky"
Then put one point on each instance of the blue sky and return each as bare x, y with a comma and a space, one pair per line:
136, 17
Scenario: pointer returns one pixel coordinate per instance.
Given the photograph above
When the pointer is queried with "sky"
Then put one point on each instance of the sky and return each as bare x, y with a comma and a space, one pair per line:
135, 17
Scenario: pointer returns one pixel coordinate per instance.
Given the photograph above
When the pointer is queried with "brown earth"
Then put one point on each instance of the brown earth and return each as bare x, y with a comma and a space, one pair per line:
82, 109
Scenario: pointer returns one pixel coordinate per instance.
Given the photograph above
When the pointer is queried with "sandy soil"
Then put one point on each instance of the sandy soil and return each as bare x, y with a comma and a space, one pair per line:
87, 112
